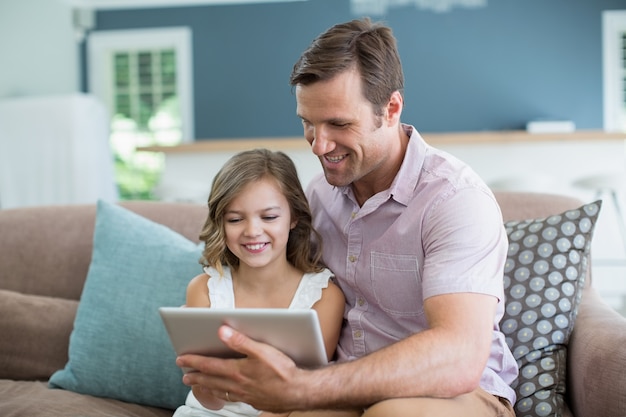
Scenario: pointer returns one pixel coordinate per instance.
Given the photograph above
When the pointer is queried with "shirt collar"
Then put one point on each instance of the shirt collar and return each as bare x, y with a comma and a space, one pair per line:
405, 181
404, 184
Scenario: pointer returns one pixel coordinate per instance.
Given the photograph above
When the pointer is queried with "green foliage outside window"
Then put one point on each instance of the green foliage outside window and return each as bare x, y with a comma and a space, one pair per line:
146, 113
137, 173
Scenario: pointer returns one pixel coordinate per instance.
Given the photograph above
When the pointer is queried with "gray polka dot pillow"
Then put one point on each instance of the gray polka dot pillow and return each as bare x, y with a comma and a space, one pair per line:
543, 279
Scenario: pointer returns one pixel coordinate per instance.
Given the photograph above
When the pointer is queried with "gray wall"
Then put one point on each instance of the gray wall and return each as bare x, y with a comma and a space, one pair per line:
489, 68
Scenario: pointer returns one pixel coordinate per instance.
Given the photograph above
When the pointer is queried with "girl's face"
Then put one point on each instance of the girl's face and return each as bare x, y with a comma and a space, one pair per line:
257, 224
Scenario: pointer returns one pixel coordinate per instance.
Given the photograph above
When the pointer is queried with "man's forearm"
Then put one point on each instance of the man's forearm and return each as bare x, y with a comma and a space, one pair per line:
444, 361
419, 366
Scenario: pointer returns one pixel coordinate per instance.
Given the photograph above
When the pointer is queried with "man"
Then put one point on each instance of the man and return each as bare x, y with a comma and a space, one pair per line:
416, 241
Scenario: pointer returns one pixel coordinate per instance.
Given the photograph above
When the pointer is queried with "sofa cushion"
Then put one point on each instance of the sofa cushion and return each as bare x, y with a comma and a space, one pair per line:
544, 276
34, 398
25, 321
119, 348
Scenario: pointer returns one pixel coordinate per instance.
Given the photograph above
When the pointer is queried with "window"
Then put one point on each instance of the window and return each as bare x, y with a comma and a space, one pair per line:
614, 69
144, 78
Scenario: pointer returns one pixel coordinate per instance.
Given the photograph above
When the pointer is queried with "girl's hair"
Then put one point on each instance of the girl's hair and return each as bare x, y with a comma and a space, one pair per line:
369, 47
304, 243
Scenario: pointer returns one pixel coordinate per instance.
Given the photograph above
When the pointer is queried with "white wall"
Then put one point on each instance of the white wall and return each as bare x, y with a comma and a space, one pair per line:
38, 48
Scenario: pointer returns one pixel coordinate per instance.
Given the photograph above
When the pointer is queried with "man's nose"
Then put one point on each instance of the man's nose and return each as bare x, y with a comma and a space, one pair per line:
321, 143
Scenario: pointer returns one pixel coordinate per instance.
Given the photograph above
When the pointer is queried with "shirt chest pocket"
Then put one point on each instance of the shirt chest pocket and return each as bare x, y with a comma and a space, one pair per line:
395, 284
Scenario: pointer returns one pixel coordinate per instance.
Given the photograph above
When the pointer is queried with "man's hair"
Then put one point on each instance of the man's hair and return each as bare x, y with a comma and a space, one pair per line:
304, 244
369, 47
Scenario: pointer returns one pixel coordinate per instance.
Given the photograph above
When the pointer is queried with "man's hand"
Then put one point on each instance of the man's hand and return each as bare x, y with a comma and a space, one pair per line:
265, 378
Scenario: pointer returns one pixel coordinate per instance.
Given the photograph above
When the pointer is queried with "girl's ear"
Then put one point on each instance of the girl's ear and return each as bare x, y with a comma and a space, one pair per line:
293, 224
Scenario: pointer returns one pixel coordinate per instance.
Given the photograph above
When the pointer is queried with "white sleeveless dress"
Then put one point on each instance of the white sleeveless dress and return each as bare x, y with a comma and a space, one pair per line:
221, 295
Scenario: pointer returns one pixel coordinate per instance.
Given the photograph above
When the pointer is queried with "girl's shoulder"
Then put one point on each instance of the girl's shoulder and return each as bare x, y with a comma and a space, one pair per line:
311, 288
321, 278
198, 280
220, 287
197, 294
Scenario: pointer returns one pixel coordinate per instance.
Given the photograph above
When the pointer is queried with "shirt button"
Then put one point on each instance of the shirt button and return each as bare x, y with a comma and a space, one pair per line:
352, 258
357, 334
360, 302
353, 214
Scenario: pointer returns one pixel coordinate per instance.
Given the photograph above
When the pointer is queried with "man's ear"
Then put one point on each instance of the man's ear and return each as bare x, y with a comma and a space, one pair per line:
394, 108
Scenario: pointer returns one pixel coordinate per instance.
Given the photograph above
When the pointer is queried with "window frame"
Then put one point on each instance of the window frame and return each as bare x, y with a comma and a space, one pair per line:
613, 27
100, 47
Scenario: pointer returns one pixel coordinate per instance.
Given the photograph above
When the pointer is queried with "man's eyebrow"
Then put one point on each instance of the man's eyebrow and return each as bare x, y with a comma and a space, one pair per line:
332, 120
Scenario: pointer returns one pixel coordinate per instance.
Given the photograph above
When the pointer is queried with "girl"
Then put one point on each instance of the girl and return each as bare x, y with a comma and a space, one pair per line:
261, 251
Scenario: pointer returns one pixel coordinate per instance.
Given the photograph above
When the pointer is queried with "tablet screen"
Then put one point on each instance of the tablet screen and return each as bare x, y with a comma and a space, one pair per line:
296, 333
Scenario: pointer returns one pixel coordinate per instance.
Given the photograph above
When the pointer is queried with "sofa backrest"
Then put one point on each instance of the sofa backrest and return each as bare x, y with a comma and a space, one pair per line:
526, 205
47, 250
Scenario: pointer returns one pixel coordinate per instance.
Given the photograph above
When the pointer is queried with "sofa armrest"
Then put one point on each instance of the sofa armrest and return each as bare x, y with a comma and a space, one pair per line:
597, 359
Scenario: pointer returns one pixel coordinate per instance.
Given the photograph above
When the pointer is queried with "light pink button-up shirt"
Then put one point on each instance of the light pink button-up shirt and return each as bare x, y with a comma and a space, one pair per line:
436, 230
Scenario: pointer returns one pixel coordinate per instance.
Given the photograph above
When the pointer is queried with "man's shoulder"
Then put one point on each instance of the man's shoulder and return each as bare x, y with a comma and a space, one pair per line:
318, 185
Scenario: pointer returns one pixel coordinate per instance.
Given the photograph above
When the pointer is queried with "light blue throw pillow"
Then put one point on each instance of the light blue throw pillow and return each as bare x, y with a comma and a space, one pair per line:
119, 347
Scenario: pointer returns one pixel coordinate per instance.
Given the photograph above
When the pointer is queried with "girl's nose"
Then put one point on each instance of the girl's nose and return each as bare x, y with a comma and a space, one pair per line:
253, 228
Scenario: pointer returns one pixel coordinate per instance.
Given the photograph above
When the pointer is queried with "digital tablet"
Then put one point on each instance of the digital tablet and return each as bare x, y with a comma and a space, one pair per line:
296, 333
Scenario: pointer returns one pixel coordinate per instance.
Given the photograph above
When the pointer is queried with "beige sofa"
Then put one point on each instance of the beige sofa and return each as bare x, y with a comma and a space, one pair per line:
45, 254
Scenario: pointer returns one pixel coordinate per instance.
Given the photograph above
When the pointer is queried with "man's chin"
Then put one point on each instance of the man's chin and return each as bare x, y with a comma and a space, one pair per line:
336, 180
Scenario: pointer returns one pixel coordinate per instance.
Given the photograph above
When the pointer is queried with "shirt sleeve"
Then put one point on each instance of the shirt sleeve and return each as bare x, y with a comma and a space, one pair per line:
465, 245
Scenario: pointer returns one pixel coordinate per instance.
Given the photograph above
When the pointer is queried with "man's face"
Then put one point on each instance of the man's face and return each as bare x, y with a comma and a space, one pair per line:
350, 140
